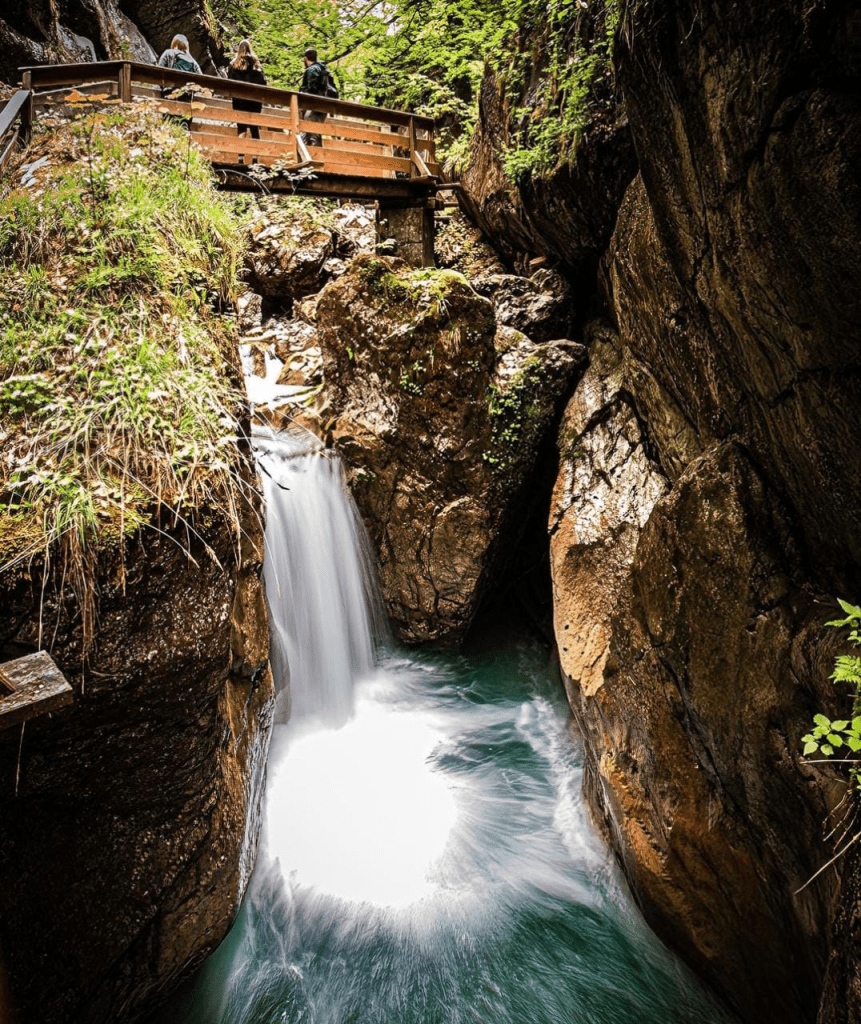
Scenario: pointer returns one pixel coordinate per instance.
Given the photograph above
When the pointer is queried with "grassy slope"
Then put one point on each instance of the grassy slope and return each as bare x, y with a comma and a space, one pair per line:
118, 385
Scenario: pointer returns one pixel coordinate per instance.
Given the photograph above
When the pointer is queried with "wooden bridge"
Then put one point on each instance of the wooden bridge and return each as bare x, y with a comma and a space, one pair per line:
366, 153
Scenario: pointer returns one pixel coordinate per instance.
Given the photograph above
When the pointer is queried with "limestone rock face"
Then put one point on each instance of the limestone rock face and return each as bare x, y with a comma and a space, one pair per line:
44, 32
605, 492
129, 820
692, 722
290, 265
439, 414
753, 219
731, 272
539, 306
292, 257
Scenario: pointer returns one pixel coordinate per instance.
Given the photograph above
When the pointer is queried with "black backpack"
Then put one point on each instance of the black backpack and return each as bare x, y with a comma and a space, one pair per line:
331, 88
328, 82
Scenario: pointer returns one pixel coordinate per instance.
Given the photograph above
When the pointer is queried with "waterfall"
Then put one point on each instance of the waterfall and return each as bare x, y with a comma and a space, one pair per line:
319, 578
426, 856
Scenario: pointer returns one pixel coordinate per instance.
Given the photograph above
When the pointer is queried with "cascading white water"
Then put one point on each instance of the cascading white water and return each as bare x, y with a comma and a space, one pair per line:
319, 579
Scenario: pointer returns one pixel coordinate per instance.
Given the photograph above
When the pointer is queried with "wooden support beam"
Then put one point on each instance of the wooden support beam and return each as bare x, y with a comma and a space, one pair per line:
297, 142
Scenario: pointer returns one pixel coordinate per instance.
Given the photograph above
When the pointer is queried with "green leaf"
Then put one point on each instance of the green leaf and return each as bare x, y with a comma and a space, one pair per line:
820, 719
826, 750
839, 726
834, 739
854, 743
812, 746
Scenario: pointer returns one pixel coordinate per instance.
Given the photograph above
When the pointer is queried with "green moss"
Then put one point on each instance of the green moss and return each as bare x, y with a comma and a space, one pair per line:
513, 415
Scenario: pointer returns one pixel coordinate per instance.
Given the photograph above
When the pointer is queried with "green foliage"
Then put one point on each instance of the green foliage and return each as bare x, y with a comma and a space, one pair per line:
427, 56
410, 379
561, 98
842, 736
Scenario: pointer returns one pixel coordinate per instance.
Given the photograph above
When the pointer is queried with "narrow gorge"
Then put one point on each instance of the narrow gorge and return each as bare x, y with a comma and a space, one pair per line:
441, 640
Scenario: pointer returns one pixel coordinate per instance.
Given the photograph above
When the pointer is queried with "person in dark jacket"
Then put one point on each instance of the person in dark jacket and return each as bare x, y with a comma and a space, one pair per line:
245, 67
314, 82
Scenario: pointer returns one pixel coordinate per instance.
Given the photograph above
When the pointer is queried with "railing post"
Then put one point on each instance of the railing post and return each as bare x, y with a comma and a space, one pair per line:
294, 116
124, 83
27, 109
413, 168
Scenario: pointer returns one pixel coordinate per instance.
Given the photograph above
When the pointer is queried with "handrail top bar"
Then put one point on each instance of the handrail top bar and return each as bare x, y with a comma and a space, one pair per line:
56, 74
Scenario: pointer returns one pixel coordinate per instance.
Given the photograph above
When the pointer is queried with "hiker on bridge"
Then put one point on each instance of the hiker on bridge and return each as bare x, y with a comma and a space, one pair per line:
315, 80
178, 57
245, 67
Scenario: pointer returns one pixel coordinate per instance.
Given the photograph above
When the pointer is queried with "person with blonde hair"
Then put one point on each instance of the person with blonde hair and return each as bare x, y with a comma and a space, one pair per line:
178, 57
245, 67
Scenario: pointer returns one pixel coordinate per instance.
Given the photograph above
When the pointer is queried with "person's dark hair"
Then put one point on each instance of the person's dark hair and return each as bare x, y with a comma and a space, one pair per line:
311, 54
245, 56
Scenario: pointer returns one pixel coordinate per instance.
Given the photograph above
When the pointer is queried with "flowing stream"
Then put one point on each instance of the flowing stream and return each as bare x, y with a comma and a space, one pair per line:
426, 857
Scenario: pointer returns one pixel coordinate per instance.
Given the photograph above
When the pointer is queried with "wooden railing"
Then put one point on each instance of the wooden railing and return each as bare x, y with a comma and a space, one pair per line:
357, 140
15, 121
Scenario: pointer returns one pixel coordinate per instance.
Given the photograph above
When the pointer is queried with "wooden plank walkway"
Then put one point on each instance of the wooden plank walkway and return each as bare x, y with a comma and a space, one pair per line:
366, 152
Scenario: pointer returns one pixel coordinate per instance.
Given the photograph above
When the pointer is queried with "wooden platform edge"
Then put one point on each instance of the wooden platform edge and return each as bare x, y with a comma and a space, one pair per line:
32, 686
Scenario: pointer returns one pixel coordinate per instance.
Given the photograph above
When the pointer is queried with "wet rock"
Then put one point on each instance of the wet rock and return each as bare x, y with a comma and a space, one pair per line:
356, 230
42, 32
130, 819
295, 336
249, 312
292, 265
699, 655
567, 214
692, 726
540, 305
439, 429
459, 246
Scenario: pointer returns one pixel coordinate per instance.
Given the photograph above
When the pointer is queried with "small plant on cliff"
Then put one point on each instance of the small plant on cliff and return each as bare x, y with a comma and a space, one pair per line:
512, 414
841, 736
578, 46
829, 737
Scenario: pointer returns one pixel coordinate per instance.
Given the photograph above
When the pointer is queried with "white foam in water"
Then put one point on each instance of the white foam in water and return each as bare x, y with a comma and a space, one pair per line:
353, 807
370, 818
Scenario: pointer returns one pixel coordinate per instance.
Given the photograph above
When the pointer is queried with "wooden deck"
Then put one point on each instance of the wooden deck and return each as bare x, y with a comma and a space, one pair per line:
366, 152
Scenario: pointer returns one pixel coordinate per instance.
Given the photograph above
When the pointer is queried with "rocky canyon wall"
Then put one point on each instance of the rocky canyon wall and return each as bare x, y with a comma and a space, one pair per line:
129, 820
70, 31
707, 507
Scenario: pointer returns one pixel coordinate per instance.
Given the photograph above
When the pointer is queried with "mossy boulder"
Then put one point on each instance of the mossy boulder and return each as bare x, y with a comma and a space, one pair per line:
439, 413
